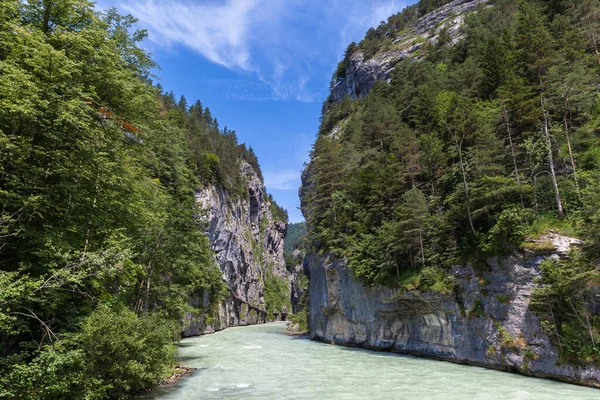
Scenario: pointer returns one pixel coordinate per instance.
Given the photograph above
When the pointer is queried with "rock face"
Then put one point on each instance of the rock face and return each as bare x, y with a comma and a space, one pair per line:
361, 73
298, 280
487, 322
248, 244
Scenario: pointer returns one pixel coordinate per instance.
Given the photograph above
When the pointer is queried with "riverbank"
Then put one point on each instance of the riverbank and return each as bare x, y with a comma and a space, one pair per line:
178, 372
487, 324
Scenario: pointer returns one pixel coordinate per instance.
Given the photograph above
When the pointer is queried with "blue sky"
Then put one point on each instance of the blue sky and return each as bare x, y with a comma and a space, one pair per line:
263, 67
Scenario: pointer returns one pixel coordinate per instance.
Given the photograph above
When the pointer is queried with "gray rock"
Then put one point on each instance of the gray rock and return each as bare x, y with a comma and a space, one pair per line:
246, 241
488, 323
361, 73
296, 278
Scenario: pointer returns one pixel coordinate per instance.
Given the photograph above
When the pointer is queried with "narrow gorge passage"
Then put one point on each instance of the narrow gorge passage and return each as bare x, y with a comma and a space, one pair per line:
271, 199
260, 362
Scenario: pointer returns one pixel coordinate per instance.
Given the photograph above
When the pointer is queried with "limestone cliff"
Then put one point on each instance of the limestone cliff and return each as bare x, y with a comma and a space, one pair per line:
248, 243
362, 72
486, 322
298, 281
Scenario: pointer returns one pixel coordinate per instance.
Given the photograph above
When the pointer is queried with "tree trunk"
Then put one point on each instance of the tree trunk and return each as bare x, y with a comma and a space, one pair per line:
589, 326
559, 206
47, 14
422, 247
464, 176
514, 156
554, 323
512, 147
535, 202
466, 185
595, 44
572, 158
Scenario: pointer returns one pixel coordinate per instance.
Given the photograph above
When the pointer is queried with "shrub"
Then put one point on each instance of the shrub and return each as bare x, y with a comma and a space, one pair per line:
276, 294
116, 354
301, 320
502, 298
476, 310
508, 231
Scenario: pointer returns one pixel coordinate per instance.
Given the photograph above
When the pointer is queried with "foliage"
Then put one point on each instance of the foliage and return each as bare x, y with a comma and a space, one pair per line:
564, 300
472, 151
382, 36
101, 247
276, 294
115, 353
279, 214
294, 237
546, 222
301, 320
465, 152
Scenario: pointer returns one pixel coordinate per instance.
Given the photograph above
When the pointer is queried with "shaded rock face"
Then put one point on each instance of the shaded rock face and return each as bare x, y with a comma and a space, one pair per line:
297, 279
487, 322
246, 240
362, 73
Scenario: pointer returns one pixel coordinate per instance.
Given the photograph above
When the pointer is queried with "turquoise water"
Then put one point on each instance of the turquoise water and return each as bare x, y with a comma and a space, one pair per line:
259, 362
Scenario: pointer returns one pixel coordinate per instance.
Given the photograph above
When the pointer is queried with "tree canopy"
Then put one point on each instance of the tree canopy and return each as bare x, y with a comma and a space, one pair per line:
101, 245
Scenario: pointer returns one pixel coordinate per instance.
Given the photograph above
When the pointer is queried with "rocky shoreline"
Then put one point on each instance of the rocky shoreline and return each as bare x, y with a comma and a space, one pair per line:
487, 323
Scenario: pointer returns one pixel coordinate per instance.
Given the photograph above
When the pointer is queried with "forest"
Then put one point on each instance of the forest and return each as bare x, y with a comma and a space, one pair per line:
101, 244
473, 147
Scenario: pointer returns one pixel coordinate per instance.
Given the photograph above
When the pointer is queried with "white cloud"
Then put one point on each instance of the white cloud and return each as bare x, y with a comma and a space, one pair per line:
286, 43
282, 180
217, 31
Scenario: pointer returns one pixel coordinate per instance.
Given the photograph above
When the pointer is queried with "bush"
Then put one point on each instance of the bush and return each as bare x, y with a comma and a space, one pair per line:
301, 320
562, 302
508, 231
126, 353
116, 354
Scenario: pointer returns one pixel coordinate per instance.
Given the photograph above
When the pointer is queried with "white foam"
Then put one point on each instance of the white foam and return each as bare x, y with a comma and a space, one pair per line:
243, 385
253, 347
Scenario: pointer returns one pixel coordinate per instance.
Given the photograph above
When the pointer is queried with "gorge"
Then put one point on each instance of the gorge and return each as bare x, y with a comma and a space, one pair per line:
450, 205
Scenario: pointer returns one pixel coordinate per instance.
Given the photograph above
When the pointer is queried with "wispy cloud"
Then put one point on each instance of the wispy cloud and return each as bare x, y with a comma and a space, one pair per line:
217, 31
287, 44
282, 180
241, 89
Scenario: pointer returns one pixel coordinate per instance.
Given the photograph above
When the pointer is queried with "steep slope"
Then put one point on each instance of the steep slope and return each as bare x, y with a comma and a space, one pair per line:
438, 185
248, 241
360, 70
114, 198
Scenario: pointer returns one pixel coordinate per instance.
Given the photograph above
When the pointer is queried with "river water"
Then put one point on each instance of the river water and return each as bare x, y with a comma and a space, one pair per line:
260, 362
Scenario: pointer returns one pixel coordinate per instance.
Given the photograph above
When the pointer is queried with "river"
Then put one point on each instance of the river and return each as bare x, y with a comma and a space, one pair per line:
259, 362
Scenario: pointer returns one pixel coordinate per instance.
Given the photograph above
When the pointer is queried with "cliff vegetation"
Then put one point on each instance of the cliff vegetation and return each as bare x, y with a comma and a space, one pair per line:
487, 138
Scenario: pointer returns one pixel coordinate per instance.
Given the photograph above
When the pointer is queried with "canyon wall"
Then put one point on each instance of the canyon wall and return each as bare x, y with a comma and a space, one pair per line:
486, 322
248, 242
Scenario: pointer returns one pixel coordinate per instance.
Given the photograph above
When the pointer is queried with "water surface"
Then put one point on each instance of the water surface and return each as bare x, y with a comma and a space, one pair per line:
259, 362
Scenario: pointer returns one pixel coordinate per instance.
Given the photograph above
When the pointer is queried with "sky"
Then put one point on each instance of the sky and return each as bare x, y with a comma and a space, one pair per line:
263, 67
